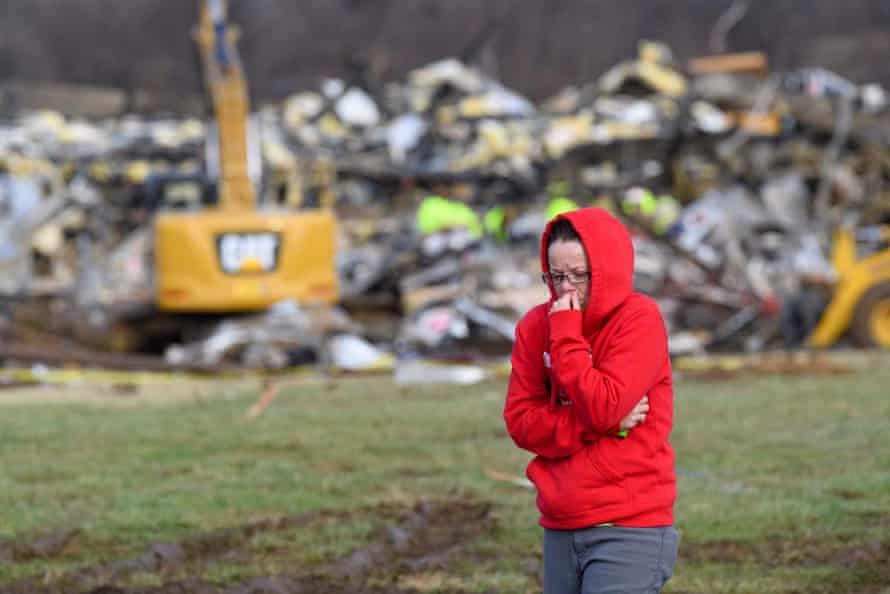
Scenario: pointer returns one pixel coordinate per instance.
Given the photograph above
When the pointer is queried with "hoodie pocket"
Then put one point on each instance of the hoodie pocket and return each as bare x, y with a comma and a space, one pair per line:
577, 485
599, 460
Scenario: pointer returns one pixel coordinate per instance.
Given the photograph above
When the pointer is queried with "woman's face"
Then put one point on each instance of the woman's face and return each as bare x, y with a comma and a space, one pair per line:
568, 270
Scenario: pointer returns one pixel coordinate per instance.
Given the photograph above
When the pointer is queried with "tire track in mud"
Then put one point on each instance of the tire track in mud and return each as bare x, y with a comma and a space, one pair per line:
861, 566
45, 547
430, 535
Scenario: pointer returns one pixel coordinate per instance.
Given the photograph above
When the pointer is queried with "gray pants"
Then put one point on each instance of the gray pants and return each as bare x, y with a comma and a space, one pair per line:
609, 560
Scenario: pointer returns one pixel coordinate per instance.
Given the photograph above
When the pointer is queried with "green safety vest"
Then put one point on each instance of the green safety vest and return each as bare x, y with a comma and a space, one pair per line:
558, 206
436, 214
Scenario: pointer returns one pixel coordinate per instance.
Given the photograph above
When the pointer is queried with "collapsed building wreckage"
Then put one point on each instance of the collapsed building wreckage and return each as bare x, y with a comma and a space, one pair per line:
733, 179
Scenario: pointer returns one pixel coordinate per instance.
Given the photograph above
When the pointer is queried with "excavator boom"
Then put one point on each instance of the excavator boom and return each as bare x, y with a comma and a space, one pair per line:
226, 254
227, 86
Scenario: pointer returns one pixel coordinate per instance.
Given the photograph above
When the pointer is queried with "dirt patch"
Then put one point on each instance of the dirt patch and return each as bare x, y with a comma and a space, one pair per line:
264, 585
788, 552
44, 547
166, 558
862, 565
429, 535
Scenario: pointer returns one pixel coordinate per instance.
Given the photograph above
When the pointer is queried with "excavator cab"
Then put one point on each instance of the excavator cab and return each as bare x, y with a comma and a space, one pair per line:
213, 260
215, 249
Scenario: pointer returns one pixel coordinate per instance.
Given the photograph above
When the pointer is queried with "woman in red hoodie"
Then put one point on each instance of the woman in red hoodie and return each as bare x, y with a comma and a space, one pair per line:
590, 395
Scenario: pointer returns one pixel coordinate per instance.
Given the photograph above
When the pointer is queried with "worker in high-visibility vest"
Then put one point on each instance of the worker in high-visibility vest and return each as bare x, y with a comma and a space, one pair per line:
657, 213
495, 223
639, 203
667, 211
436, 214
559, 205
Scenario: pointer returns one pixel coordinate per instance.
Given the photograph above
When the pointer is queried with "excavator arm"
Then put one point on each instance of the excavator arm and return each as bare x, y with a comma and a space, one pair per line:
227, 86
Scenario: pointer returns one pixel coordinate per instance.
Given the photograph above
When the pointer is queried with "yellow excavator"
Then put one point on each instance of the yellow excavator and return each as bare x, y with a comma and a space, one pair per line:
225, 252
860, 303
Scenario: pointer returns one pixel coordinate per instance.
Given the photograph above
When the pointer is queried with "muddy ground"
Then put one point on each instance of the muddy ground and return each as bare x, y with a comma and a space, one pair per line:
430, 536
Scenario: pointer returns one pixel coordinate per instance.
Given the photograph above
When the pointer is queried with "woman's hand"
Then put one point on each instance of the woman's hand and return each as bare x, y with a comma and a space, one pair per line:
568, 301
636, 416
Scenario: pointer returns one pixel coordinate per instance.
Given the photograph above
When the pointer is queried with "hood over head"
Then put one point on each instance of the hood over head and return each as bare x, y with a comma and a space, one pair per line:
610, 256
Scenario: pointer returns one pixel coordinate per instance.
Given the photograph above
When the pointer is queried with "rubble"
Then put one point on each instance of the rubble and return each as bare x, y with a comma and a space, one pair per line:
286, 335
732, 178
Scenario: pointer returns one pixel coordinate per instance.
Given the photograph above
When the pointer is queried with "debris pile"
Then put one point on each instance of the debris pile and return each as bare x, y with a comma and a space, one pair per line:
733, 179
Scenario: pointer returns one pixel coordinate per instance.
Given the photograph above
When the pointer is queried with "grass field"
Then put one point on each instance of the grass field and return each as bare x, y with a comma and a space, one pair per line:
357, 485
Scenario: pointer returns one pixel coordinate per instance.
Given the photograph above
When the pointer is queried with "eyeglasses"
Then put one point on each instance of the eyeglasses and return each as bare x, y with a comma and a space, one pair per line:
575, 278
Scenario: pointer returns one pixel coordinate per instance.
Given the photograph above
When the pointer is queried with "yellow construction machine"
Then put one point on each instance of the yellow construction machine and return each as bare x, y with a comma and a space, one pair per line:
222, 251
860, 303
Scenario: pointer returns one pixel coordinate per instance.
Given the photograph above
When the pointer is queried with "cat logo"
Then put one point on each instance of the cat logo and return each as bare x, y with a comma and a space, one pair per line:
248, 252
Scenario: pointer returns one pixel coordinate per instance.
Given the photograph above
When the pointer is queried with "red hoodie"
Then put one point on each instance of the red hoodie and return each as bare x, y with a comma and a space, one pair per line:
576, 375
